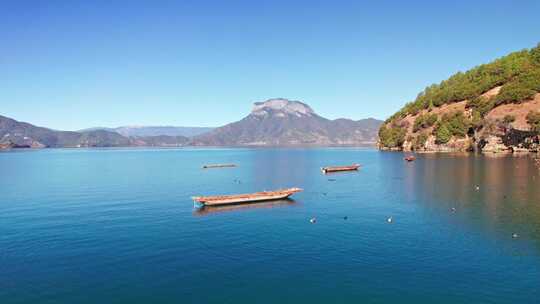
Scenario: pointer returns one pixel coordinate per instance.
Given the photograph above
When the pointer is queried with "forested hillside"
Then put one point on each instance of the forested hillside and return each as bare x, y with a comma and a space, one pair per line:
468, 106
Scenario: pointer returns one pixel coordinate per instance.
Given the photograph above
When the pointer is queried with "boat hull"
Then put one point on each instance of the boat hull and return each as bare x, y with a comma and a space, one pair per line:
216, 166
340, 169
206, 210
244, 198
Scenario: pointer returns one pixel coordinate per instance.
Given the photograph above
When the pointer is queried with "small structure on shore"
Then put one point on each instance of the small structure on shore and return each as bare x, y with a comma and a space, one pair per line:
353, 167
245, 198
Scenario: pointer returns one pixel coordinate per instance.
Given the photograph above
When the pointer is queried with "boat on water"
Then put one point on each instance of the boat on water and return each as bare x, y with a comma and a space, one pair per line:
353, 167
245, 198
410, 158
211, 166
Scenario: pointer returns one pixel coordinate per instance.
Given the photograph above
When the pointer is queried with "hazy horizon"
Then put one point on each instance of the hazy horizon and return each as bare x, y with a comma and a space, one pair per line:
75, 65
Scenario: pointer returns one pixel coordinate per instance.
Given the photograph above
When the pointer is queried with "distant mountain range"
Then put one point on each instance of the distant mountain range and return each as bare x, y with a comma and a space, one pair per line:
275, 122
15, 134
130, 131
278, 122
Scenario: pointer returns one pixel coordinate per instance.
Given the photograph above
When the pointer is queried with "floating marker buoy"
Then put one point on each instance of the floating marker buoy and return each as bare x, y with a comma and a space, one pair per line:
515, 236
389, 219
477, 187
313, 220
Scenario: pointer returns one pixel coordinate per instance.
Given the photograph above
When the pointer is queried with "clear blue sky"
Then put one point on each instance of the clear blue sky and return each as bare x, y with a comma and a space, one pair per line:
77, 64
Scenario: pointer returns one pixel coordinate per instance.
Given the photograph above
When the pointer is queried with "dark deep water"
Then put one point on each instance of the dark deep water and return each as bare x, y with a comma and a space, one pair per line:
118, 226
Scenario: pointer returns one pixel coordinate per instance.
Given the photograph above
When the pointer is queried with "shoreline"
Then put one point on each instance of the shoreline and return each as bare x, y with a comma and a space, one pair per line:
511, 152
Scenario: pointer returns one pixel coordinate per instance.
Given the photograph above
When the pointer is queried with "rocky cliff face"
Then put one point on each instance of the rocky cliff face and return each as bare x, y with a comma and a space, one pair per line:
281, 122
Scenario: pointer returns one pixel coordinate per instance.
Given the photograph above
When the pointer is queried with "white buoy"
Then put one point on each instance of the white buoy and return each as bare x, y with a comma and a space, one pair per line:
313, 220
515, 236
389, 219
477, 188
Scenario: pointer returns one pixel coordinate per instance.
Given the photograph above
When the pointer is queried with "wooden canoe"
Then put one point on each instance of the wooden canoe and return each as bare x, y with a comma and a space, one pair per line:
245, 198
218, 166
340, 168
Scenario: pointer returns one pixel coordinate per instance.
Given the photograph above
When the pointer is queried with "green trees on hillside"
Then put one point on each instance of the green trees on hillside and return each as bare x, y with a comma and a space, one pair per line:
535, 54
424, 121
518, 73
419, 141
533, 119
442, 134
453, 124
481, 105
392, 136
523, 87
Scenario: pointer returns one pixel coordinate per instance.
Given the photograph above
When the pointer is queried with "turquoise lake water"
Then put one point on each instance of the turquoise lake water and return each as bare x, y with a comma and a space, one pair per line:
118, 226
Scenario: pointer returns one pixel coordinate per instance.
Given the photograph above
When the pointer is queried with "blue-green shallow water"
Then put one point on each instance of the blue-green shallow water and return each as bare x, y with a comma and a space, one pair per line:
118, 226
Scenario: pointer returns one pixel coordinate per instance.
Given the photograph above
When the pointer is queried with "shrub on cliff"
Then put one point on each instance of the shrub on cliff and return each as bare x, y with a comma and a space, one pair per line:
533, 119
481, 105
452, 124
457, 123
392, 136
419, 141
424, 121
508, 119
476, 121
442, 134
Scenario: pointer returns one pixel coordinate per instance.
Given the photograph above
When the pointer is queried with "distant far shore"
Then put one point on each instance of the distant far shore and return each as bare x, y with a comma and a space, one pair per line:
373, 146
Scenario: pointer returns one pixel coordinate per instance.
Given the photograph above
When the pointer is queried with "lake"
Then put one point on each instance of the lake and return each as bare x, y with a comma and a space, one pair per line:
119, 226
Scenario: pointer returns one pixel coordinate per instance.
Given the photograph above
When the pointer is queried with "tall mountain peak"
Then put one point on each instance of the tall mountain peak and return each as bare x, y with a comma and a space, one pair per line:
281, 107
281, 122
